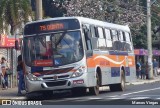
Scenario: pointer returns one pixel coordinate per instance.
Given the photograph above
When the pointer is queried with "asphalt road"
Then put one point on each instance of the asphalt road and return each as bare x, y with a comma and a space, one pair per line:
140, 92
134, 94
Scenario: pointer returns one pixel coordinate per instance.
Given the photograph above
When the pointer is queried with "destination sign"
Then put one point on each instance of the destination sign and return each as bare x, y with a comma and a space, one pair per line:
51, 26
56, 26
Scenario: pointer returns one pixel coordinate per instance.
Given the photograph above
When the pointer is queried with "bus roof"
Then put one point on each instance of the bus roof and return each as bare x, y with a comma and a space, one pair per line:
88, 21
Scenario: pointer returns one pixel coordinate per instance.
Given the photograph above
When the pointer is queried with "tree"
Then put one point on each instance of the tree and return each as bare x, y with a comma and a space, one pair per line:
14, 13
54, 8
155, 11
121, 12
127, 12
140, 39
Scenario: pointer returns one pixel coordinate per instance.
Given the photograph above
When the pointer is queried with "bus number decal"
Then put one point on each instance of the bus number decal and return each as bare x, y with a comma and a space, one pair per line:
104, 63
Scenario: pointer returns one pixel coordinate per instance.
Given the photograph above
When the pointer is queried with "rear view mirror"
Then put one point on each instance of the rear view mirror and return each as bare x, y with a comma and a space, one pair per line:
17, 45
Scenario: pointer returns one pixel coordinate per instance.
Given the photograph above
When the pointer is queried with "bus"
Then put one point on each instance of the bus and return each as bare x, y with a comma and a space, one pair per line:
77, 53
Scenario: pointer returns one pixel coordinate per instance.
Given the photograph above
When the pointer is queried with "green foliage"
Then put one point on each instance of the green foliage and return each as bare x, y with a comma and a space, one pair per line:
130, 12
140, 38
53, 8
13, 13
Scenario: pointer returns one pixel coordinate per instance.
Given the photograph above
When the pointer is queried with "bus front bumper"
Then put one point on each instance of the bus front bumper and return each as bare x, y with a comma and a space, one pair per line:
33, 86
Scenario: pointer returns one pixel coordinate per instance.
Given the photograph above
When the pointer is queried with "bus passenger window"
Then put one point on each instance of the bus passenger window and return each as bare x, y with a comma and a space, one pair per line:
108, 34
114, 35
108, 39
127, 36
116, 42
121, 41
100, 32
101, 39
88, 41
128, 46
120, 36
92, 30
96, 32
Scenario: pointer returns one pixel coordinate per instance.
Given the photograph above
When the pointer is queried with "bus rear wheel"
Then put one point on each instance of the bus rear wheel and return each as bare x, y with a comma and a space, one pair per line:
95, 90
121, 85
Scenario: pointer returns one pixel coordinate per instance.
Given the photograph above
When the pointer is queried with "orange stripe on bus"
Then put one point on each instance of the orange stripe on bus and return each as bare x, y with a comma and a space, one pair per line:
110, 61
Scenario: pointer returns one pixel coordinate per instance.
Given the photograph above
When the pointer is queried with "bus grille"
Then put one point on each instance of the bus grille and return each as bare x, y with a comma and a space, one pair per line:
58, 77
58, 83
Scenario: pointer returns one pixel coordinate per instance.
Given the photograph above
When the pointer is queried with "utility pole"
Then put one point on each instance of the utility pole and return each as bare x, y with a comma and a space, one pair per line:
149, 40
38, 9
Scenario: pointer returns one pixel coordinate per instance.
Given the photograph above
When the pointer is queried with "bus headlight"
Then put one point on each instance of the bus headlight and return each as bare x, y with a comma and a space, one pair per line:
33, 77
78, 72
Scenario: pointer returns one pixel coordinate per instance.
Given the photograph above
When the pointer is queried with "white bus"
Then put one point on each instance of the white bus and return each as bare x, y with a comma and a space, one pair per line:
77, 53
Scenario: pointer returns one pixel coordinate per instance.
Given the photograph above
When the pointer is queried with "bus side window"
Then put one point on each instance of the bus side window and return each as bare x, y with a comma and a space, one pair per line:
120, 33
94, 39
114, 35
96, 32
127, 37
101, 39
108, 39
92, 30
124, 38
86, 32
115, 40
121, 41
128, 46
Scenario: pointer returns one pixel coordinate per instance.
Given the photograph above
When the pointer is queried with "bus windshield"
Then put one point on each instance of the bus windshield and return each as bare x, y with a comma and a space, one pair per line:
53, 49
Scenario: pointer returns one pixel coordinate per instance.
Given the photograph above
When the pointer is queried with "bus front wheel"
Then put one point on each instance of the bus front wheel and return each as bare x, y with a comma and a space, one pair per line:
95, 90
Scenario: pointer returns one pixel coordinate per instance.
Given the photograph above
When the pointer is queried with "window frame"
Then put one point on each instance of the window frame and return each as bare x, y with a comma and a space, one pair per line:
102, 36
116, 35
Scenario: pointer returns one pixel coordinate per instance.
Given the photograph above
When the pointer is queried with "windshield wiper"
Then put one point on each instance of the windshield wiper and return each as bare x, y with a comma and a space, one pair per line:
61, 37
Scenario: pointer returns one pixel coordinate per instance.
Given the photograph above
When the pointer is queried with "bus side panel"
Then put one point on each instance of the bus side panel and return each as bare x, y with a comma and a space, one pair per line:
110, 66
91, 72
131, 70
132, 76
106, 73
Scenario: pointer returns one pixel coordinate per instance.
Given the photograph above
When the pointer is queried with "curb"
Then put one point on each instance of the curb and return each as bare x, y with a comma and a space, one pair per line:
146, 82
138, 82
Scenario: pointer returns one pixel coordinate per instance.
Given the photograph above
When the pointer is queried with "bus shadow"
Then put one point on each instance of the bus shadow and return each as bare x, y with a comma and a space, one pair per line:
59, 95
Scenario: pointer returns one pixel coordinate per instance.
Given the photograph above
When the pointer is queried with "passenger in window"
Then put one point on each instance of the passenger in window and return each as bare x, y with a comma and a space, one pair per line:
48, 52
127, 47
117, 45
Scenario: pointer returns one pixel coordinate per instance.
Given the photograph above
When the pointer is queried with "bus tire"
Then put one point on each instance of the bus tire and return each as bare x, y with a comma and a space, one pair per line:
95, 90
80, 91
120, 86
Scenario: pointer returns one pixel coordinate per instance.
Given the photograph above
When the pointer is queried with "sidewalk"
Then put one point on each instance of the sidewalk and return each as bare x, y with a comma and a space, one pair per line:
11, 93
144, 81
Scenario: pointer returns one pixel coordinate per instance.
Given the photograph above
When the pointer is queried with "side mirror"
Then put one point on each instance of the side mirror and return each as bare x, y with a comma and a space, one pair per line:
17, 45
89, 53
